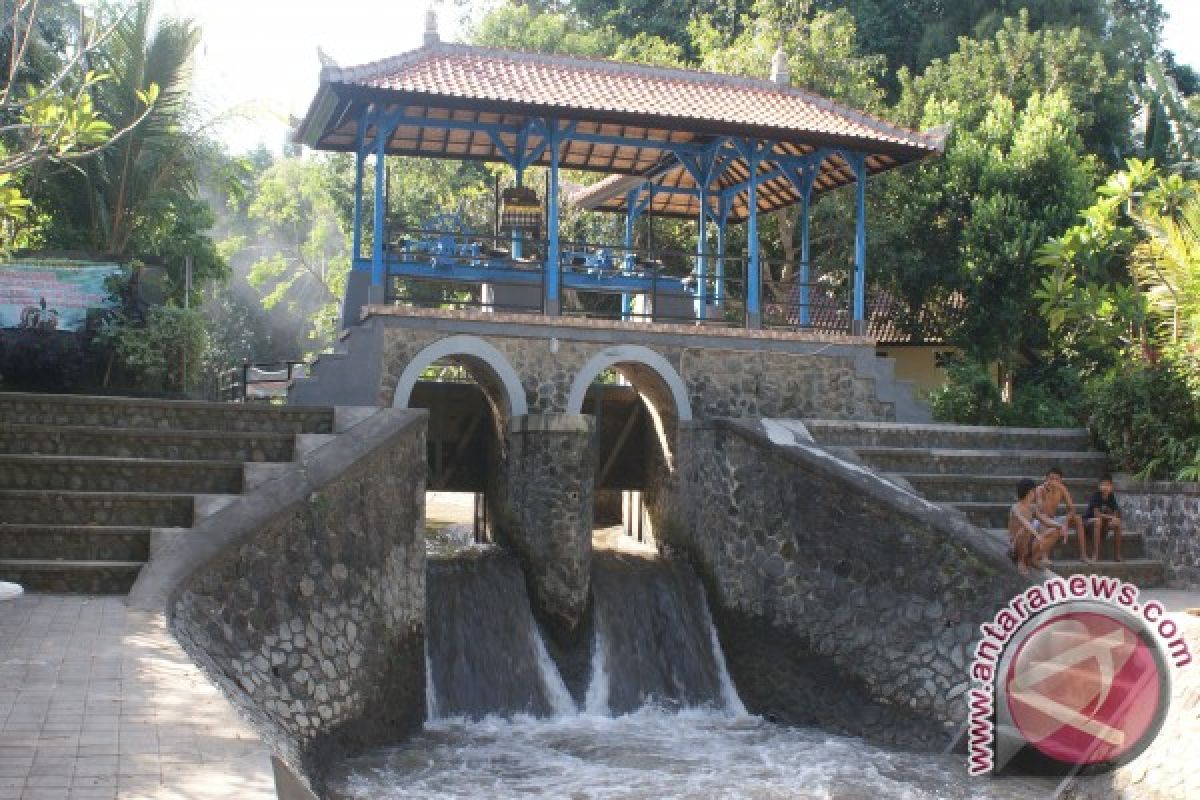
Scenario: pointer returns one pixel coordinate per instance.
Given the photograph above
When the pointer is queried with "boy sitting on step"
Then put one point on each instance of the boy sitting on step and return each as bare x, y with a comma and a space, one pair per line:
1031, 534
1103, 514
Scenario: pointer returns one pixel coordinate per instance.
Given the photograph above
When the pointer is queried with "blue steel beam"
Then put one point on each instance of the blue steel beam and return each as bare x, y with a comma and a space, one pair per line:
860, 244
754, 152
608, 281
803, 181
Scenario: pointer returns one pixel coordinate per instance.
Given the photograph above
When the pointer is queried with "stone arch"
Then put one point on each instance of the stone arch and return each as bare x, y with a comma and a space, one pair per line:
629, 354
471, 349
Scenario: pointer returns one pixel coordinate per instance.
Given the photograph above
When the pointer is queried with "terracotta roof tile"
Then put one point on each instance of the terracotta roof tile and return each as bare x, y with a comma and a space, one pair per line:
592, 85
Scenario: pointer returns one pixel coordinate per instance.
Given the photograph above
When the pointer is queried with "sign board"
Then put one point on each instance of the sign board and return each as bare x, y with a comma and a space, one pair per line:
52, 295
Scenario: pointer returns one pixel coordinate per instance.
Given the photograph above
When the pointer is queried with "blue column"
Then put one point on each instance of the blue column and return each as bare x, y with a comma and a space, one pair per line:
860, 245
517, 235
631, 199
702, 255
805, 277
753, 267
378, 268
553, 258
359, 163
722, 222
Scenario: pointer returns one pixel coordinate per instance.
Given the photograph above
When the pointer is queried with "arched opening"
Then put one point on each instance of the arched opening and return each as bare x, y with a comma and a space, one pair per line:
638, 400
471, 391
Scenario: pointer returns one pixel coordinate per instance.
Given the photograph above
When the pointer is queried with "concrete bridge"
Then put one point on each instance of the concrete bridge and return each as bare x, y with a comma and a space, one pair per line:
538, 459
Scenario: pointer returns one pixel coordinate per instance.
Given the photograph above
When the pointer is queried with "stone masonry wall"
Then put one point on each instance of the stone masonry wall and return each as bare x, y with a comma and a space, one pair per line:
1168, 515
728, 382
314, 623
548, 519
885, 586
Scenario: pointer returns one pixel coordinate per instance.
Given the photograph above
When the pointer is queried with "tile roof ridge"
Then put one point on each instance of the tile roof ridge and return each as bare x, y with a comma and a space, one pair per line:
373, 69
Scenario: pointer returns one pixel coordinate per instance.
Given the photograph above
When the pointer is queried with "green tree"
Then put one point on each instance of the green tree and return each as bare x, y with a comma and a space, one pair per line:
50, 117
301, 242
140, 198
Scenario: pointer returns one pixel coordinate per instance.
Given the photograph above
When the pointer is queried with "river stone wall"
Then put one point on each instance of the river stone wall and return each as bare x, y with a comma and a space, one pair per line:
547, 520
1167, 514
1165, 770
730, 382
312, 621
870, 580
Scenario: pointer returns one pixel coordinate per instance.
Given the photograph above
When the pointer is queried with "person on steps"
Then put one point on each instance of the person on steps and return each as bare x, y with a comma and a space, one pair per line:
1102, 515
1050, 495
1031, 535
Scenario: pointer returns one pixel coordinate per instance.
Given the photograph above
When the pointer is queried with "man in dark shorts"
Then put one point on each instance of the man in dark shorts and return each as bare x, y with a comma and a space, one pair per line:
1053, 493
1103, 514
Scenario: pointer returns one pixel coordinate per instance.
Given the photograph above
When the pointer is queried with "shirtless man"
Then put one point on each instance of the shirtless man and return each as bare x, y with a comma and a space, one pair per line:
1050, 495
1031, 536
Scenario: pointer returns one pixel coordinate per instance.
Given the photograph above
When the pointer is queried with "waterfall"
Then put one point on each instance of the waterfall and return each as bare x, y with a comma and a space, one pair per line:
653, 642
555, 689
653, 636
596, 702
486, 655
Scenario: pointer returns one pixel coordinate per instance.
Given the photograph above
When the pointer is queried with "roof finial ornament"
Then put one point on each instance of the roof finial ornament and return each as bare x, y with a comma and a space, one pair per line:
780, 71
431, 28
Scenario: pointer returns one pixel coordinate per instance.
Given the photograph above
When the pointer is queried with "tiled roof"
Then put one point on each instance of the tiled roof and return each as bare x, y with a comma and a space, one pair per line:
612, 87
828, 313
467, 102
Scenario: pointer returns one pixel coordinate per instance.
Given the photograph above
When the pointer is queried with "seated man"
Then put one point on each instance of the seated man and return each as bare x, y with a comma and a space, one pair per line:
1031, 536
1050, 495
1103, 514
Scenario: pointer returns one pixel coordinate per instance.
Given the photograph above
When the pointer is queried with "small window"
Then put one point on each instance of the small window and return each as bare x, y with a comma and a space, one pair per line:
944, 358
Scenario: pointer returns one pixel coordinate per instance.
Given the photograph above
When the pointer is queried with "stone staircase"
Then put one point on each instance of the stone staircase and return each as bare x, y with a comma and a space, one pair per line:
975, 470
85, 481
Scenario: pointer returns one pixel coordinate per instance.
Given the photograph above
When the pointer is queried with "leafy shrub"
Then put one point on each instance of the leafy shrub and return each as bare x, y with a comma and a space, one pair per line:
1146, 417
970, 397
162, 352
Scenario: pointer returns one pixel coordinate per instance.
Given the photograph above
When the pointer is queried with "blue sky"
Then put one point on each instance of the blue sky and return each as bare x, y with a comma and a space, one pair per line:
258, 61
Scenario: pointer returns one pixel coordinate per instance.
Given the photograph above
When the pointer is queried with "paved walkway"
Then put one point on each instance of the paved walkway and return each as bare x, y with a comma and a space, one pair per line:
97, 701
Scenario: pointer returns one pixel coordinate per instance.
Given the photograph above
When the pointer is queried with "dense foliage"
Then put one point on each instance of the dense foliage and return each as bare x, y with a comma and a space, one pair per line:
1060, 224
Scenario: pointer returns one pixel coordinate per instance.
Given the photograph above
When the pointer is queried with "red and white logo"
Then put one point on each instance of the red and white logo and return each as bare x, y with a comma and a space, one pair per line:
1084, 688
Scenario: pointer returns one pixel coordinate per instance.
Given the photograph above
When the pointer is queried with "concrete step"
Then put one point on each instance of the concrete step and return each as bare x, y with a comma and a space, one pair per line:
1143, 572
847, 433
1033, 463
146, 443
130, 412
1133, 545
101, 474
989, 515
74, 543
74, 577
126, 509
949, 487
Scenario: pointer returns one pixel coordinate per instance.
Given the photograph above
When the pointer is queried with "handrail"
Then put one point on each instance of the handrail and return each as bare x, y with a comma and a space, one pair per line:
259, 381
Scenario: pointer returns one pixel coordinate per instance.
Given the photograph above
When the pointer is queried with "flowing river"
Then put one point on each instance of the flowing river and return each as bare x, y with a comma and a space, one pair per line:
658, 717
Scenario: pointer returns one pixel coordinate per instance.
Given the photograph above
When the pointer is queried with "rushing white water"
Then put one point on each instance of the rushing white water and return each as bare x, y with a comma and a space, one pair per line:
596, 700
653, 755
512, 728
729, 695
553, 687
431, 703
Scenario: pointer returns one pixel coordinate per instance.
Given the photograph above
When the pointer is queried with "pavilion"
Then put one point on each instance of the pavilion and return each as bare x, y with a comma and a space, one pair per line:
715, 148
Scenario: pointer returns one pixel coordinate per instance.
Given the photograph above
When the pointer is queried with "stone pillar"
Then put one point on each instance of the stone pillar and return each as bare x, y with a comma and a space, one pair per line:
548, 523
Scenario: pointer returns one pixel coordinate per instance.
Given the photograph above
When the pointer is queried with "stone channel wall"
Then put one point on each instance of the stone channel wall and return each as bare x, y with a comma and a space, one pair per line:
732, 382
1167, 514
547, 521
864, 580
312, 619
540, 363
